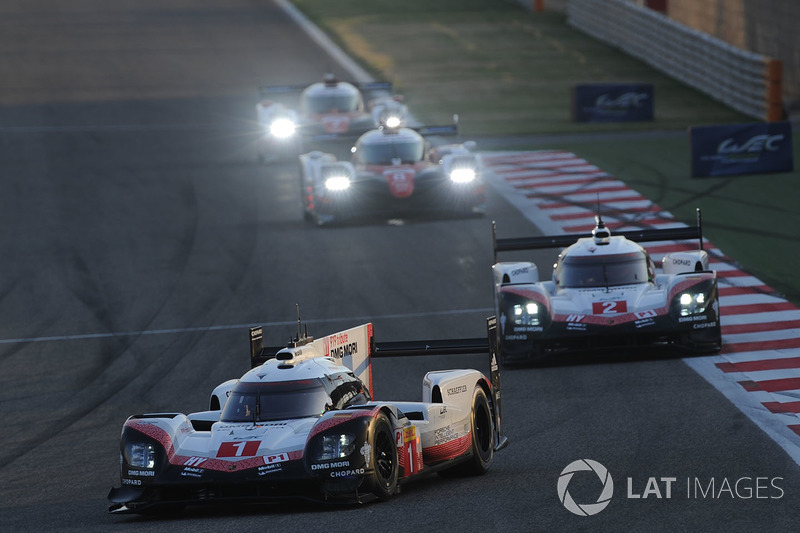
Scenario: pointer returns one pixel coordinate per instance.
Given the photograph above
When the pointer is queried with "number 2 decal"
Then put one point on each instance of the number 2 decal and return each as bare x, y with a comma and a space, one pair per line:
609, 308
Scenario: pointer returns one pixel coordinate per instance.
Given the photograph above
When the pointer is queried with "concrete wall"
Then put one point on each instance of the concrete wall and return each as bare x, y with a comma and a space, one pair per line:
768, 27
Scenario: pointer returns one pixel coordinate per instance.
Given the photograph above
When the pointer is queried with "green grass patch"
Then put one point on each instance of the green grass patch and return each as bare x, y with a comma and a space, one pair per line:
502, 69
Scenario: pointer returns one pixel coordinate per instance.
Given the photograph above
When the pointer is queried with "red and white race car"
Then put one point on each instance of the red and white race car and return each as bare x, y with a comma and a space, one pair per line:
605, 292
289, 116
393, 170
302, 423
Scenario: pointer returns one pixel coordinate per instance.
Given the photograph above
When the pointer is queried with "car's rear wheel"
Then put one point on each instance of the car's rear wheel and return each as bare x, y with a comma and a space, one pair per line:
482, 438
383, 482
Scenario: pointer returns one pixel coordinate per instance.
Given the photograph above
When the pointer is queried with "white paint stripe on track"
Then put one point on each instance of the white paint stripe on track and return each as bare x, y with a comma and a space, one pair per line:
763, 336
739, 281
559, 189
204, 329
750, 299
759, 355
614, 196
761, 318
725, 266
785, 397
766, 375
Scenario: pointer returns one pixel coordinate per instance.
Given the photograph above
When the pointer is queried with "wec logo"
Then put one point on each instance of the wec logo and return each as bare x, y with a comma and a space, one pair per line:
585, 509
629, 99
758, 143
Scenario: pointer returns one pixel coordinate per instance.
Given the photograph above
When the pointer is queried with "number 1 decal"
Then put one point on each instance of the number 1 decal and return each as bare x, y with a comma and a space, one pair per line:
239, 449
407, 441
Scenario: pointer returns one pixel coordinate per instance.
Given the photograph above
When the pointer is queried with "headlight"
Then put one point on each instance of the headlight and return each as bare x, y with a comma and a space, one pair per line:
282, 128
392, 121
140, 454
337, 183
462, 175
332, 447
526, 315
692, 303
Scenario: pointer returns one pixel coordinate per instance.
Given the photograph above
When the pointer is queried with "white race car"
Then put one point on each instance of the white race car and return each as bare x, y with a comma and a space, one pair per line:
291, 115
302, 423
606, 293
393, 169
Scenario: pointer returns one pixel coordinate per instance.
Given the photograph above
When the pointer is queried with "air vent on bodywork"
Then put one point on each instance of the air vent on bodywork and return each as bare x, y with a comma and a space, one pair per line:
436, 395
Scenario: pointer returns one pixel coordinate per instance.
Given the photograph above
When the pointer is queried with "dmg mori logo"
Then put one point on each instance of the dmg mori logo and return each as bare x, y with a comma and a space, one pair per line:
591, 508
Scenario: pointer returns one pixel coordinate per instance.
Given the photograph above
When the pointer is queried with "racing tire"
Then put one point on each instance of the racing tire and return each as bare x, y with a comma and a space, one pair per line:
383, 480
482, 451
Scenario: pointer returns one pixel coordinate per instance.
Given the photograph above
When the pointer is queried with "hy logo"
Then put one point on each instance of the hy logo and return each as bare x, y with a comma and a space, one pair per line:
585, 509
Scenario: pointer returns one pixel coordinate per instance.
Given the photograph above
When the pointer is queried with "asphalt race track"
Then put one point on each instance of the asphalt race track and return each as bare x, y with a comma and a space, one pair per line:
140, 238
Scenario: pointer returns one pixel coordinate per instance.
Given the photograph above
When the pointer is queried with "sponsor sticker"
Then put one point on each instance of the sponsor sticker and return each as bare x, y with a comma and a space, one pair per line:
329, 466
347, 473
239, 449
275, 458
609, 308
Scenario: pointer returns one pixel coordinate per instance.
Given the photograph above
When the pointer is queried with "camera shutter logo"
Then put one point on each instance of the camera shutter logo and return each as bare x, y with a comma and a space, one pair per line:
585, 509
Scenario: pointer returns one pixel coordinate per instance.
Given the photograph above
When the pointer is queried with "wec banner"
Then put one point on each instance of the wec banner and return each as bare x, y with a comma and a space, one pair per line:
612, 102
754, 148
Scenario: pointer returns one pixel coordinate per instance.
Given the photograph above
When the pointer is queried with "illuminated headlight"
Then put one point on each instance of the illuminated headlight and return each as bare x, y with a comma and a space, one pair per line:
140, 454
462, 175
692, 303
392, 121
282, 128
337, 183
526, 315
332, 447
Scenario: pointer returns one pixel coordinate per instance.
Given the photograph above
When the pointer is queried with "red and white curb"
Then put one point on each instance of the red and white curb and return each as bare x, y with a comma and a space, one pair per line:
758, 368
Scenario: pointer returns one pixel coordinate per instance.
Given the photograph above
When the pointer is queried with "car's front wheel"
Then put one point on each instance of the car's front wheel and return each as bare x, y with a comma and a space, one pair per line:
383, 481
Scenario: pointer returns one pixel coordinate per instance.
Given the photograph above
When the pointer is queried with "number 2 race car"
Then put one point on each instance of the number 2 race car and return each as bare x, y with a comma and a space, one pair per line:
393, 170
329, 107
302, 424
605, 293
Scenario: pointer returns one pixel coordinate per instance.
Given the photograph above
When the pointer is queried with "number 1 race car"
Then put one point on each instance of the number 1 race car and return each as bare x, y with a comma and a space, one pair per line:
393, 170
606, 293
329, 107
302, 424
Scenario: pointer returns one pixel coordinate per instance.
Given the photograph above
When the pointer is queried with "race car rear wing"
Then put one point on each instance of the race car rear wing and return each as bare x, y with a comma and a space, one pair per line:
360, 362
562, 241
366, 88
443, 130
